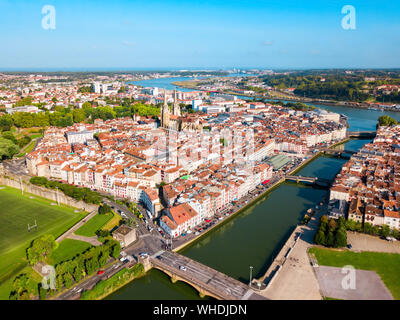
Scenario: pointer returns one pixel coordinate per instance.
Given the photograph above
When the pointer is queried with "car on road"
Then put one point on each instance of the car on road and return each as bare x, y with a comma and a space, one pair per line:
349, 246
143, 254
183, 268
100, 272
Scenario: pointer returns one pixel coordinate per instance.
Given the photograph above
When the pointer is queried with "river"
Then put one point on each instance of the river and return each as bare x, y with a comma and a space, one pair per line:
166, 83
256, 235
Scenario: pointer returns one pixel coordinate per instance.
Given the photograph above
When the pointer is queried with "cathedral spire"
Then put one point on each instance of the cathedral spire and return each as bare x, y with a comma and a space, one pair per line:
165, 98
176, 110
165, 112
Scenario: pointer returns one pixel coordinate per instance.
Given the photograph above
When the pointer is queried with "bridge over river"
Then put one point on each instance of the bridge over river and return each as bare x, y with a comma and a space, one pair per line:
204, 279
313, 180
361, 134
338, 152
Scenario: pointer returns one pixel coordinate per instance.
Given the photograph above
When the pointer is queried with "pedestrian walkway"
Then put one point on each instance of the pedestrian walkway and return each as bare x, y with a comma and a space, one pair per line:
76, 226
92, 240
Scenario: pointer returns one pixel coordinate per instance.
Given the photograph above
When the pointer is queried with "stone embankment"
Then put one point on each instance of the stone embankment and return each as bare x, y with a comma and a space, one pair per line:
53, 195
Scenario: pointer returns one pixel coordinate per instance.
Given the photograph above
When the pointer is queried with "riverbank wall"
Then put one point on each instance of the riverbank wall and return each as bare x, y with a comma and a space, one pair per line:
53, 195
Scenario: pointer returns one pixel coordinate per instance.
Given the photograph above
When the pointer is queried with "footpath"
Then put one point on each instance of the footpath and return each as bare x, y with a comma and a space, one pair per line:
291, 275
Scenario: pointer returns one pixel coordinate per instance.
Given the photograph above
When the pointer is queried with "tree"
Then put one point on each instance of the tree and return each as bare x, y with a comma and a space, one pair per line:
332, 225
78, 115
342, 223
6, 122
42, 293
27, 101
340, 239
116, 248
395, 234
85, 89
91, 265
22, 287
7, 148
104, 209
330, 239
9, 136
351, 225
78, 274
386, 121
385, 231
103, 258
23, 119
368, 228
24, 141
320, 238
323, 220
59, 282
102, 233
41, 248
68, 280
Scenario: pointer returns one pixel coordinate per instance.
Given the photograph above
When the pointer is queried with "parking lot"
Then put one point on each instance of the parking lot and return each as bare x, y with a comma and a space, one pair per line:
365, 242
368, 285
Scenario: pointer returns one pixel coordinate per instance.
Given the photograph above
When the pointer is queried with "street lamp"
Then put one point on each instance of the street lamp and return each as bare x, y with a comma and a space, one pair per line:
251, 275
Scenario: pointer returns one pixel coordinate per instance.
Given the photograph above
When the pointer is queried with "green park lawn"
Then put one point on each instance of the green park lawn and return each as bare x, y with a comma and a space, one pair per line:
96, 223
67, 250
386, 265
16, 212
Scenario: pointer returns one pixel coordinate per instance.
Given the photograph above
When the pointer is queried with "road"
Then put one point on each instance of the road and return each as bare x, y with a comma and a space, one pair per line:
88, 284
16, 167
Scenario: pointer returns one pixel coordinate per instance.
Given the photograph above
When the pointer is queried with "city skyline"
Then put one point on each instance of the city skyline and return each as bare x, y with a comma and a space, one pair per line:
182, 35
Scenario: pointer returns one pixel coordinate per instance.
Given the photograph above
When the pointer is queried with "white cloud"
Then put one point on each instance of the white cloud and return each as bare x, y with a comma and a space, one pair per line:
267, 43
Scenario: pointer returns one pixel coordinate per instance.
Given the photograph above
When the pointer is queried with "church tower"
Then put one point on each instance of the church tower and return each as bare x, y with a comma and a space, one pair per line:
176, 110
165, 113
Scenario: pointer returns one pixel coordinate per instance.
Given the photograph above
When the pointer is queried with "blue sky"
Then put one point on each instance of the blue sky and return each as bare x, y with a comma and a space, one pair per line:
199, 34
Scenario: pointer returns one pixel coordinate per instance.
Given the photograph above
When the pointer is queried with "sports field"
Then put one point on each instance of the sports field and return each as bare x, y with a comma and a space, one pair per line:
16, 212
